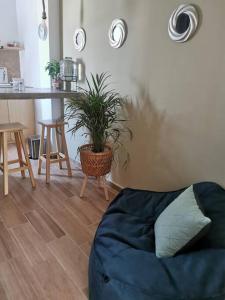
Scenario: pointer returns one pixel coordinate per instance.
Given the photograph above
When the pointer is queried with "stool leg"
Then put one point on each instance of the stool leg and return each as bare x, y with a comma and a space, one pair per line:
18, 146
41, 149
58, 146
66, 152
48, 155
98, 181
5, 164
0, 147
105, 189
22, 140
84, 186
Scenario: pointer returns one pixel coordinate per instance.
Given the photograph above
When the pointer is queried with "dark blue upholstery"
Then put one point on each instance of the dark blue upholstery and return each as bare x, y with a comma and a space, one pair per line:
123, 265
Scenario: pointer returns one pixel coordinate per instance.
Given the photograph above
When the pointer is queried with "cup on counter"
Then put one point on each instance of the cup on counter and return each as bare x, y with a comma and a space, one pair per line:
18, 84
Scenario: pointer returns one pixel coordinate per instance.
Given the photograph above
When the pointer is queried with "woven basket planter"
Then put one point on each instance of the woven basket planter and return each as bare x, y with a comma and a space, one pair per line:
95, 164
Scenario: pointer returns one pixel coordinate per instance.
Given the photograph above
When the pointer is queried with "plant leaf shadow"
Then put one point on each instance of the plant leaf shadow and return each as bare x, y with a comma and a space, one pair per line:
151, 164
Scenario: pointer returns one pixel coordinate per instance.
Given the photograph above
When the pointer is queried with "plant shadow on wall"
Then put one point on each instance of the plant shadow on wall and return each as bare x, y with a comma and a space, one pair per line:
157, 158
152, 151
146, 123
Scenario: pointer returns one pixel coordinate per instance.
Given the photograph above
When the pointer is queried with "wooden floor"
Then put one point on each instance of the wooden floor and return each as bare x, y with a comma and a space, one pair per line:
46, 234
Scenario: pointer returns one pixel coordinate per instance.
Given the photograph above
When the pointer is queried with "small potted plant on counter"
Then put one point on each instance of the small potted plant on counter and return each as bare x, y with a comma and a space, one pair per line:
53, 69
97, 109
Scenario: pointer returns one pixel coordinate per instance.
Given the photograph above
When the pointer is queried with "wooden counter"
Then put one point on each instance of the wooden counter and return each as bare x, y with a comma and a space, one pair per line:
34, 93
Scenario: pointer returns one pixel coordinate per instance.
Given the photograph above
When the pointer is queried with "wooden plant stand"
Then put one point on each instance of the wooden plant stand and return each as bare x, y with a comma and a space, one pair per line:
101, 183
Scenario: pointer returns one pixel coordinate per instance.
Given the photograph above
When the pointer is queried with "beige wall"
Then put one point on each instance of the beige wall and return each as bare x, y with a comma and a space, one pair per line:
177, 91
8, 21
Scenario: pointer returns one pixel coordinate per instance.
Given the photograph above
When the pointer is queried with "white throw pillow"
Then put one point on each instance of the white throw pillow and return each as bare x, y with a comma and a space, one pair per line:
180, 223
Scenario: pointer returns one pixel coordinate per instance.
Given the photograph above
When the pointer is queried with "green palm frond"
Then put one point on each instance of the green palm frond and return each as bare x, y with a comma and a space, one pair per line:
98, 109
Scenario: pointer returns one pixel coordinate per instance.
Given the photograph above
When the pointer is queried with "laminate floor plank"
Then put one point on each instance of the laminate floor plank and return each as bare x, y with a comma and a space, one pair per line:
55, 283
93, 194
8, 245
44, 225
25, 203
63, 189
73, 227
63, 217
92, 229
86, 248
72, 259
32, 245
83, 210
18, 282
10, 214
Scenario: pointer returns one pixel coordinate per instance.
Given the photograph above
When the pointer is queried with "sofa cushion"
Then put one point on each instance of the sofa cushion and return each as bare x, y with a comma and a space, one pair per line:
179, 225
123, 264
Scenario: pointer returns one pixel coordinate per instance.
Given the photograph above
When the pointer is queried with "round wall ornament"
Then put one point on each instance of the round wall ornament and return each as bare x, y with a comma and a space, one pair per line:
117, 33
183, 23
79, 39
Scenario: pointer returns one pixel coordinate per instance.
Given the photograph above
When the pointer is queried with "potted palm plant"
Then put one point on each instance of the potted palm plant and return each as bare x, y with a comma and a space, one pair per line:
53, 69
97, 109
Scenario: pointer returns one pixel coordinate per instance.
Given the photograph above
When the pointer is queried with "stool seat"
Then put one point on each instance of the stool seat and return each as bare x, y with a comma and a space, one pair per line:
24, 164
52, 123
11, 127
61, 155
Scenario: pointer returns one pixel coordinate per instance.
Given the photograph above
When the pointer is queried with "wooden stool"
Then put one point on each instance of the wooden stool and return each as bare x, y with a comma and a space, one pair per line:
53, 157
17, 130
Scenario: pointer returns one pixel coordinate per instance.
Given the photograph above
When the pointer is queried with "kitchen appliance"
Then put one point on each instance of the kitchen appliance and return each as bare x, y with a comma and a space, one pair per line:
68, 74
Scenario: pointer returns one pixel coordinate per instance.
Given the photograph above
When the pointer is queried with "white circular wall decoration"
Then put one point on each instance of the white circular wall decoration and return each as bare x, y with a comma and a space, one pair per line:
117, 33
79, 39
183, 23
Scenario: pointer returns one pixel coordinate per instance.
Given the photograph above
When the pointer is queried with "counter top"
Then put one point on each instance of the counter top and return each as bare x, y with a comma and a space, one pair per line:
34, 93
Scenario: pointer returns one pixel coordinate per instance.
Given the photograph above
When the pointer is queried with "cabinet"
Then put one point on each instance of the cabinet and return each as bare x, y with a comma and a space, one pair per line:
18, 111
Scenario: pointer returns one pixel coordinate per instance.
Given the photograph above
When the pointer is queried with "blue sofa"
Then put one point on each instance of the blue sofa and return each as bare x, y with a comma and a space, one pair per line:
123, 264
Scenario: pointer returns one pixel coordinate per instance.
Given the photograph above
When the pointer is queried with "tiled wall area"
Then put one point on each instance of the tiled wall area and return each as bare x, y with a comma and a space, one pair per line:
11, 60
